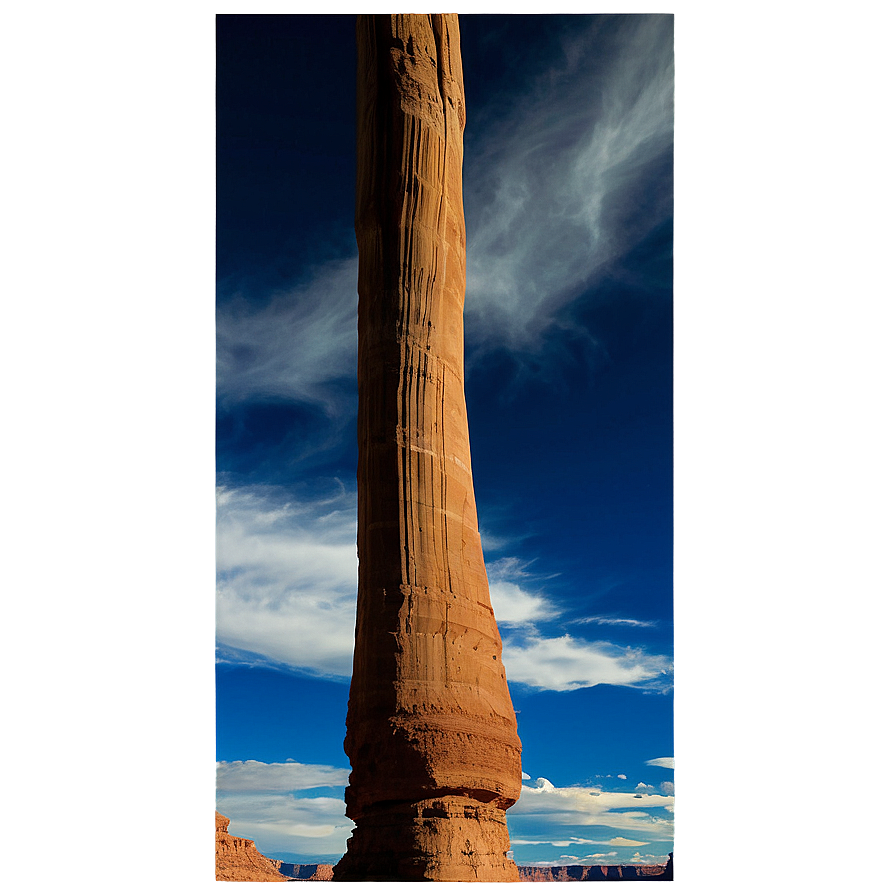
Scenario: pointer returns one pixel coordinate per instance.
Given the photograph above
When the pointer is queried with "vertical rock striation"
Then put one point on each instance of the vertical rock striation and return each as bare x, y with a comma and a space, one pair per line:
431, 730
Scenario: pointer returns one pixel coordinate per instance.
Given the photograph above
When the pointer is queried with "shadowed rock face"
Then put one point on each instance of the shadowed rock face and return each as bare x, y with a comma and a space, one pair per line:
306, 872
431, 730
533, 873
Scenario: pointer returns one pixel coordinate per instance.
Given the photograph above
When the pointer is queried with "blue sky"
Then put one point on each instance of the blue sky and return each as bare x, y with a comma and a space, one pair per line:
568, 317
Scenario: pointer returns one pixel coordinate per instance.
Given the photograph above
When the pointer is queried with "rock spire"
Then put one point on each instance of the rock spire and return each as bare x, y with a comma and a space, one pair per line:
431, 731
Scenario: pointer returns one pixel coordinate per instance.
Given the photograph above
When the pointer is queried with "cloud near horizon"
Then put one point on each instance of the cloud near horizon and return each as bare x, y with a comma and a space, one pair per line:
265, 803
572, 808
282, 823
261, 801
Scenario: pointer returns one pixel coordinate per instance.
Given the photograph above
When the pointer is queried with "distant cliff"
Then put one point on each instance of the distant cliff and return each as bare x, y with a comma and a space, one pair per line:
306, 872
236, 858
533, 873
528, 873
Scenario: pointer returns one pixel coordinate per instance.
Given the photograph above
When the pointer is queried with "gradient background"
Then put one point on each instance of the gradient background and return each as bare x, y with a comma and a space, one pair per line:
784, 481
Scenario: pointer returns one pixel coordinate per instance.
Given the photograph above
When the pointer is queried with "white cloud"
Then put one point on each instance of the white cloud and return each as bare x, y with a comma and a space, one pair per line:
552, 179
253, 776
509, 568
492, 542
283, 823
287, 578
297, 345
545, 805
662, 762
667, 787
638, 859
622, 777
515, 607
287, 590
566, 663
641, 786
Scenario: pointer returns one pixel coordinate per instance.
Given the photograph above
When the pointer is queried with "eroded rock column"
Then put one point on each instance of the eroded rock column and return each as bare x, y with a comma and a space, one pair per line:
431, 730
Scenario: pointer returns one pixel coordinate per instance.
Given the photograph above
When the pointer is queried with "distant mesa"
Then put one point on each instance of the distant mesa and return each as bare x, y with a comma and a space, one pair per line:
236, 858
560, 873
307, 872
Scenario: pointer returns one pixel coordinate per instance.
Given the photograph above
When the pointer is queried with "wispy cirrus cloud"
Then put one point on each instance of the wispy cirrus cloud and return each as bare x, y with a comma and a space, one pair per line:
613, 620
556, 187
556, 182
300, 345
662, 762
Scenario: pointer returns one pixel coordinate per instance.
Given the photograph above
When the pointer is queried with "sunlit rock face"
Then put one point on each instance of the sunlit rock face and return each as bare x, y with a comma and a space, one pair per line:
236, 858
431, 730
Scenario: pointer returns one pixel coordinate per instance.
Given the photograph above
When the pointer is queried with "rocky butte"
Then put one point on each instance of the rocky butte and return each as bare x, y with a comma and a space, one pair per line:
236, 858
431, 732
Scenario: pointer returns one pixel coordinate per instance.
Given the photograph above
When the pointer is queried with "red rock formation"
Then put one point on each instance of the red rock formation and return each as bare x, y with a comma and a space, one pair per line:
431, 730
236, 858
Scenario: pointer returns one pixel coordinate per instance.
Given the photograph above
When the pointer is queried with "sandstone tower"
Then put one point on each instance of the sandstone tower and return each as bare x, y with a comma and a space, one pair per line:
431, 730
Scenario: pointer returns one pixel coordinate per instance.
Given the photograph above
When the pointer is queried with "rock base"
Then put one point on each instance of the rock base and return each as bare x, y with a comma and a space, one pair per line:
449, 838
